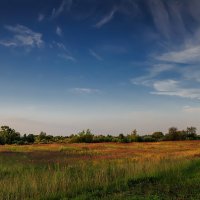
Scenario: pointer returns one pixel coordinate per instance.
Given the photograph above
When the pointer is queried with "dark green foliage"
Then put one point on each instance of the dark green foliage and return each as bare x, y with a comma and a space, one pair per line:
10, 136
27, 139
43, 138
103, 138
148, 138
191, 133
174, 134
158, 136
134, 137
84, 136
30, 138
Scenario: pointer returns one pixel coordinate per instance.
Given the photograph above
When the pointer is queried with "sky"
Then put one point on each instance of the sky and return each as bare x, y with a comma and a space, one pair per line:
108, 65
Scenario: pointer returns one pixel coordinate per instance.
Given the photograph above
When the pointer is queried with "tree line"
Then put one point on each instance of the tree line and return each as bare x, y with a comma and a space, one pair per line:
10, 136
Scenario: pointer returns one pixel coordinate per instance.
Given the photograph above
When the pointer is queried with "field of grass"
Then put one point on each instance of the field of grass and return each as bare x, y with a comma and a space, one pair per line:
105, 171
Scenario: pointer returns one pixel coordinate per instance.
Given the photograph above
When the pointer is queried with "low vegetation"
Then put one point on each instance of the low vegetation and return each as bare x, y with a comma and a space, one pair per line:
85, 166
10, 136
103, 171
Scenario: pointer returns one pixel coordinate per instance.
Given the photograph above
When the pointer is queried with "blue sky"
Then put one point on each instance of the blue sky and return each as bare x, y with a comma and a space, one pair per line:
111, 66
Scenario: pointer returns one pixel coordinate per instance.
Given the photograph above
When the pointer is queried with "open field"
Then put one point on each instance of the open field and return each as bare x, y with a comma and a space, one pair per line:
165, 170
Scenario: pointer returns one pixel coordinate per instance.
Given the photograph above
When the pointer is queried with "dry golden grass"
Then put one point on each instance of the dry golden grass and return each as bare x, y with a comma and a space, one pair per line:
95, 171
95, 151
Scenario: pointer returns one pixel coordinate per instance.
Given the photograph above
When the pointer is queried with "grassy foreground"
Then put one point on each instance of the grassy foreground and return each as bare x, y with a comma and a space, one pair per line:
166, 170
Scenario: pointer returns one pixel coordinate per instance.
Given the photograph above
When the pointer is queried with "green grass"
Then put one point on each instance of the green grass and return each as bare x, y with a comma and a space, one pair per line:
117, 179
71, 174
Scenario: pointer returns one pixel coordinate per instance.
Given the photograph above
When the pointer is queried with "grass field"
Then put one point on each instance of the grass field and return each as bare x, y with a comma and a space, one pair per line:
165, 170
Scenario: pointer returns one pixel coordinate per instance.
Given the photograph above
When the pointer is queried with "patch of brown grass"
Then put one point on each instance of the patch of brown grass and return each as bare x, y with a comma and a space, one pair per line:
99, 151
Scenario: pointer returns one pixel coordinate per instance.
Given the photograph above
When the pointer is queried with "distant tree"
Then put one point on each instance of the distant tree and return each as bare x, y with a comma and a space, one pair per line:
103, 138
83, 136
88, 137
158, 136
42, 136
174, 134
191, 132
71, 136
172, 130
8, 135
148, 138
134, 137
134, 132
121, 136
30, 138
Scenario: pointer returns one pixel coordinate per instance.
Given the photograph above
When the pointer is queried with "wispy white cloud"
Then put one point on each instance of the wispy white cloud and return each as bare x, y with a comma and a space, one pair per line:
126, 8
84, 90
106, 19
166, 86
174, 88
8, 43
59, 10
183, 86
63, 51
41, 17
168, 17
22, 37
182, 60
67, 57
60, 45
191, 109
65, 5
95, 55
160, 68
186, 55
191, 73
160, 16
58, 31
152, 72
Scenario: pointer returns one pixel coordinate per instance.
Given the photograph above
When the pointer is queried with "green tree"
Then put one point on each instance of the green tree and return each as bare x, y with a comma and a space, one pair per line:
174, 134
8, 135
158, 136
84, 136
134, 137
172, 130
30, 138
191, 132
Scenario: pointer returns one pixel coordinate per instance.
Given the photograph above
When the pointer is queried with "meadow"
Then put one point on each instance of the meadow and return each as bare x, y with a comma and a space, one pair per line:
101, 171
